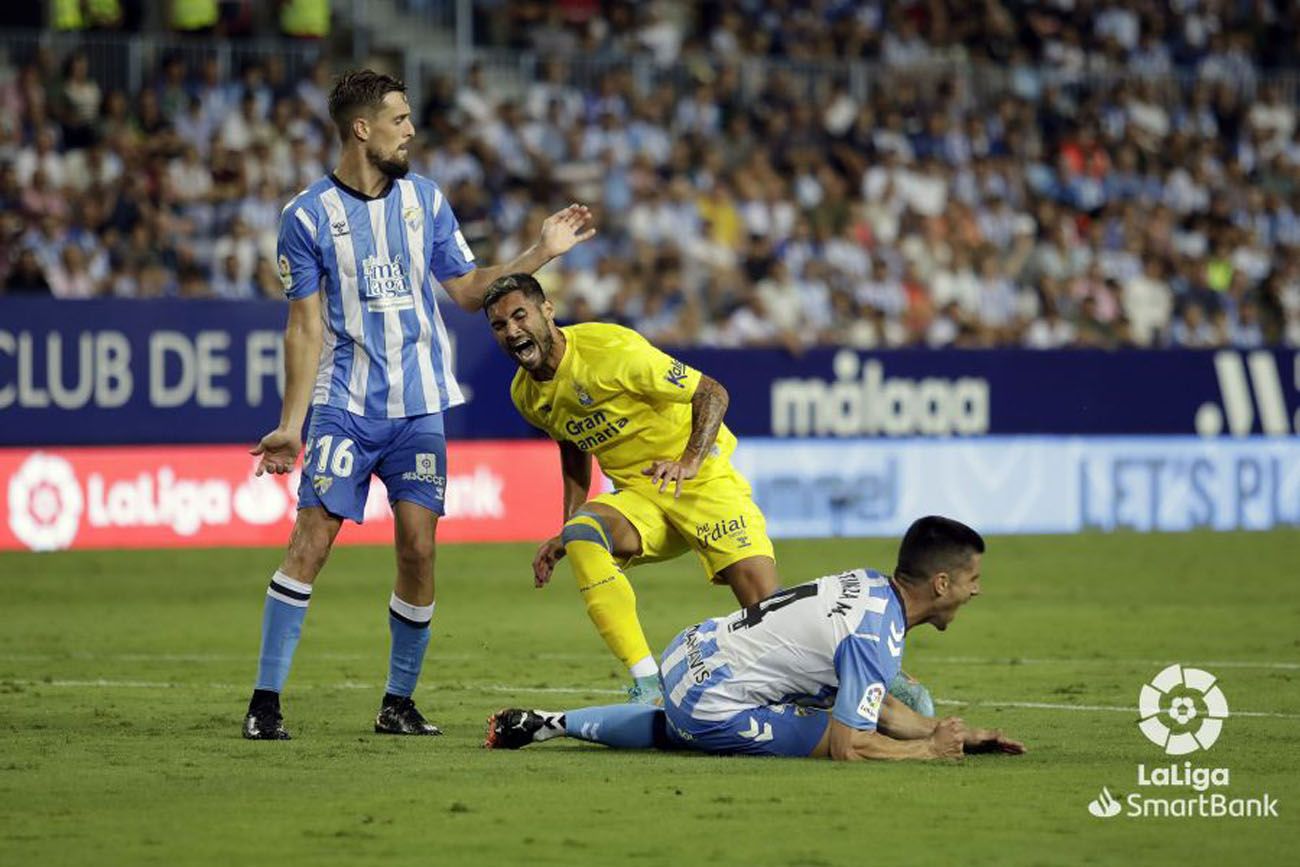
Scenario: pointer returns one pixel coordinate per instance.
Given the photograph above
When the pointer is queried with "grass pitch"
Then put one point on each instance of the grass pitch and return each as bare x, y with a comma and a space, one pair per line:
123, 680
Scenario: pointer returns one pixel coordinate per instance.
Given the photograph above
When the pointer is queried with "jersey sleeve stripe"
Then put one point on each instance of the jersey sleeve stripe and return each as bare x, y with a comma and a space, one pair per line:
308, 223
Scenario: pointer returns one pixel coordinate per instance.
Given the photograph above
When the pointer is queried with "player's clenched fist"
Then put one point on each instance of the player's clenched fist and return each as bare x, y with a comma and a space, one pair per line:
278, 450
550, 553
949, 738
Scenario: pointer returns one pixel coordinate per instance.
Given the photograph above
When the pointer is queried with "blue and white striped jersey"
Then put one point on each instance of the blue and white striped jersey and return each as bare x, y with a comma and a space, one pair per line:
386, 353
835, 642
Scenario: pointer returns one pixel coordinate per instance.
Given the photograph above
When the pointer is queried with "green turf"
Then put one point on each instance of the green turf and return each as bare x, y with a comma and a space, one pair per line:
98, 766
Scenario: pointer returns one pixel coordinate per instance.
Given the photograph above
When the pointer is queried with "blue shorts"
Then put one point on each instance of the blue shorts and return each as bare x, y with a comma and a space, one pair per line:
761, 730
344, 450
766, 730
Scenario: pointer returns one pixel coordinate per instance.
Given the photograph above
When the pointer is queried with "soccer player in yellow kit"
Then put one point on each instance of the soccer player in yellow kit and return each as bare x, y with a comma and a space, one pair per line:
655, 426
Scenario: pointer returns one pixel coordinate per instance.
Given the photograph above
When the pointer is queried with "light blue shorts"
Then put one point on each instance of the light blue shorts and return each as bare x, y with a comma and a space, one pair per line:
770, 730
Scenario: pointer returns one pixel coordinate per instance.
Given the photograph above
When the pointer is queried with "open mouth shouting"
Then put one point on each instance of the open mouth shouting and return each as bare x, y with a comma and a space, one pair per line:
526, 351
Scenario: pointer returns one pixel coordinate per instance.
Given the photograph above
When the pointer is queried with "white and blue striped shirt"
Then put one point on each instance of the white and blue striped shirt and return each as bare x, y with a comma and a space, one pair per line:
836, 642
386, 353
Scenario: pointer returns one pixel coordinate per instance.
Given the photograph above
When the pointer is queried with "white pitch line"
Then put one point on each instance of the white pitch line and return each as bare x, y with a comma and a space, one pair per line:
920, 658
248, 657
1114, 708
105, 683
1098, 660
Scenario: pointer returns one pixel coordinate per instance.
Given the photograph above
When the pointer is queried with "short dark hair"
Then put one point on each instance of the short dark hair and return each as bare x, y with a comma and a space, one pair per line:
935, 544
357, 91
503, 286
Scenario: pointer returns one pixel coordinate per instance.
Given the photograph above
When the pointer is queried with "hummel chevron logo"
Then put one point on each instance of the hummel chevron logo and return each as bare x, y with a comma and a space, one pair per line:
754, 734
895, 639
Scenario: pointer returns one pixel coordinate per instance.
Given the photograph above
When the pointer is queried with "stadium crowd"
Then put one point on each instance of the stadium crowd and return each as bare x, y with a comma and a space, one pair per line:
1113, 174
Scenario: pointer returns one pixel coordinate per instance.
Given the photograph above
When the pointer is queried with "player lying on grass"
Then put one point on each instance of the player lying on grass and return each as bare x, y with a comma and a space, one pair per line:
802, 673
655, 426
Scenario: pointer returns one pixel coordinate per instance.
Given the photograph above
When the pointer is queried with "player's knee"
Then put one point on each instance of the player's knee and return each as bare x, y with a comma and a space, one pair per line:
415, 555
309, 548
585, 527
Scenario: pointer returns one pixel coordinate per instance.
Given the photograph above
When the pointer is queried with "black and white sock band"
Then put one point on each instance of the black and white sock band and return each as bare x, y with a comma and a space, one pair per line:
289, 591
417, 616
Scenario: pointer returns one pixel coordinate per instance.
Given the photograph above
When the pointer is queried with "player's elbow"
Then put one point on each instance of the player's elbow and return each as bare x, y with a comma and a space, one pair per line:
467, 301
843, 754
304, 323
463, 293
715, 391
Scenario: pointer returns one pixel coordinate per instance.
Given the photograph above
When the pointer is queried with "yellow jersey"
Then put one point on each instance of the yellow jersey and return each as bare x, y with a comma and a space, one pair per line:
617, 397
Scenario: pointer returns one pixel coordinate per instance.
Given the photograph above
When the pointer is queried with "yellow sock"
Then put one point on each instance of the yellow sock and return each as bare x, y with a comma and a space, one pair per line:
611, 603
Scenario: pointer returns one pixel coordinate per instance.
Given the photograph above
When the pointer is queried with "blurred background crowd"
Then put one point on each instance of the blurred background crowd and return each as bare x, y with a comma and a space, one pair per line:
873, 174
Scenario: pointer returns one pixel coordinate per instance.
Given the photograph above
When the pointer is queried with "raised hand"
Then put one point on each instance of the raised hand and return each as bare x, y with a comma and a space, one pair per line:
565, 229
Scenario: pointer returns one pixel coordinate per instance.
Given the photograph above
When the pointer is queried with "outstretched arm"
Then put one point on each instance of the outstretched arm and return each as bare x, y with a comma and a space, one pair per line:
843, 743
561, 232
901, 722
302, 344
708, 406
575, 473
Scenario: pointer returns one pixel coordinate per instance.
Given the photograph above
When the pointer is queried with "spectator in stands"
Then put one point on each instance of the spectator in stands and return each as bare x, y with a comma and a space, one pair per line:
26, 276
1080, 198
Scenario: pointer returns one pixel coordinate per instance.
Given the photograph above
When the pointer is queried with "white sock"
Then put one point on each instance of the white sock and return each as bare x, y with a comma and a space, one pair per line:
554, 727
645, 667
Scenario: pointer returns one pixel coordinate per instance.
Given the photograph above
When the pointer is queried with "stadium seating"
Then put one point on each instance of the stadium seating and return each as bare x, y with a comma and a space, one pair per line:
1126, 177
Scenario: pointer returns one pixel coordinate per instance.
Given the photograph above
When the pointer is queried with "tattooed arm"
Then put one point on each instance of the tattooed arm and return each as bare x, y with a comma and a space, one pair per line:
708, 406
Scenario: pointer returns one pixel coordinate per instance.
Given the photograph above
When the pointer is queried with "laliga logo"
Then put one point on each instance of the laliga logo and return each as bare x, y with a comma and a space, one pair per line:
1182, 710
1194, 707
45, 503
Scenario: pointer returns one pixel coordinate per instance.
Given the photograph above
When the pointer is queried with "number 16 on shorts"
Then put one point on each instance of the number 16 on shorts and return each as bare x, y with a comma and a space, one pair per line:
337, 458
344, 450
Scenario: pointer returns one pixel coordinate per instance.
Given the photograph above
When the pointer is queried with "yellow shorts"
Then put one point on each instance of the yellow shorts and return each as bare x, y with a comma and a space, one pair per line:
716, 517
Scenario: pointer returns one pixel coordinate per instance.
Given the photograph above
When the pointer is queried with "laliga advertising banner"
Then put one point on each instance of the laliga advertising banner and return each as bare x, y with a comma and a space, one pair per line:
205, 496
510, 491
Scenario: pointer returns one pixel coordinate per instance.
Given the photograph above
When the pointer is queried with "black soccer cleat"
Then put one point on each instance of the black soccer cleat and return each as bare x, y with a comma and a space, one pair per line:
264, 723
513, 728
399, 716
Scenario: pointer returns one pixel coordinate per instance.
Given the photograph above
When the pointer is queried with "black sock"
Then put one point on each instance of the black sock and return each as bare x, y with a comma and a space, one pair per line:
264, 698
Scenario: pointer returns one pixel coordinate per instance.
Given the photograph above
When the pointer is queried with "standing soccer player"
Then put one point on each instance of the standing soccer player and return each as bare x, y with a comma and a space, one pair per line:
655, 426
360, 255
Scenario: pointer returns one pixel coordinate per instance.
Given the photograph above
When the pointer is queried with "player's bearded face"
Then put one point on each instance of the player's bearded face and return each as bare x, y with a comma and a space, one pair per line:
394, 163
391, 131
532, 342
524, 330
